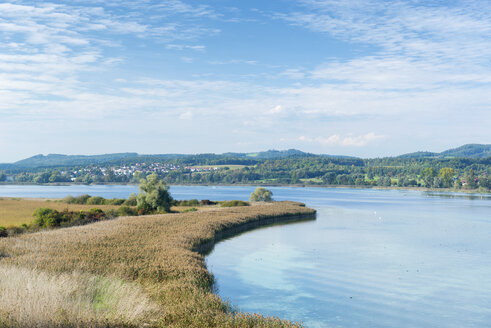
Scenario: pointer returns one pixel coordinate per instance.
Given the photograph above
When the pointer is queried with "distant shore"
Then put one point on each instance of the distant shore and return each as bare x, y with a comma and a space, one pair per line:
297, 185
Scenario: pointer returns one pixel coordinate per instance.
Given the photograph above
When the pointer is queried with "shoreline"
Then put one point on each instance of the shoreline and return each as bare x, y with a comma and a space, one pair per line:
446, 190
206, 247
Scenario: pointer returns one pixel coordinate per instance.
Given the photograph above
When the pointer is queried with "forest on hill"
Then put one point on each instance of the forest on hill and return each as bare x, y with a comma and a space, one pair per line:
469, 170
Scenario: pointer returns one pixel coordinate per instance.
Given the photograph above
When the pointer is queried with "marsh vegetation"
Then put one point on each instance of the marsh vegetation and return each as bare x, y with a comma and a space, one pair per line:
99, 275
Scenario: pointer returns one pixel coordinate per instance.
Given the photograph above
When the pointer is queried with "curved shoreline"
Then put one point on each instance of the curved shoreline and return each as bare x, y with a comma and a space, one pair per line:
157, 253
205, 247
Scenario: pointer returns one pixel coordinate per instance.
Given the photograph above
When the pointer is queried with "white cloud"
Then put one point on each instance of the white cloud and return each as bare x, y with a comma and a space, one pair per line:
293, 73
181, 47
348, 141
414, 44
425, 68
49, 49
187, 60
186, 116
233, 62
275, 110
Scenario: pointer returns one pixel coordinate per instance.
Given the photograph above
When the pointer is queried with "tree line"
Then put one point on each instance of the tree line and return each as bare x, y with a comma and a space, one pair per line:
458, 173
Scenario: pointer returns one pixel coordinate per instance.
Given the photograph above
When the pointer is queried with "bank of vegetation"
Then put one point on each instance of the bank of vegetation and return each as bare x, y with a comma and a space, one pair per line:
16, 214
427, 170
128, 272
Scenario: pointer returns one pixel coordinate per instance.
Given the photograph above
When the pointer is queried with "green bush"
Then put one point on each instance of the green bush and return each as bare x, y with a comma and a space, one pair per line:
95, 200
46, 217
114, 201
190, 202
95, 213
111, 214
207, 202
3, 232
69, 199
131, 201
127, 211
192, 209
49, 218
233, 203
82, 199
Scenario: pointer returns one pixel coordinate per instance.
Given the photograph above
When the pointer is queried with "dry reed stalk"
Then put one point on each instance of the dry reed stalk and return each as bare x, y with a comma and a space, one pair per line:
30, 298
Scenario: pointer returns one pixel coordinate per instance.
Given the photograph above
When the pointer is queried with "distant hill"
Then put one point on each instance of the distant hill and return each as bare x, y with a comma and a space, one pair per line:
470, 150
6, 166
465, 151
69, 160
419, 154
53, 160
278, 154
270, 154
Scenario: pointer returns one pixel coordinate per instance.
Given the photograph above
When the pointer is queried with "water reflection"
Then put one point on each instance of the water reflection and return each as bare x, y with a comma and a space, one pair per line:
390, 259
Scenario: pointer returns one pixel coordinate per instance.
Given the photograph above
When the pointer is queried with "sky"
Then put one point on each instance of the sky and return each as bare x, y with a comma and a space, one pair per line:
355, 77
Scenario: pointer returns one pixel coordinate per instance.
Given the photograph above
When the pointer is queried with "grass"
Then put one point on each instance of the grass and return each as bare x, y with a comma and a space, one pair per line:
314, 180
82, 276
17, 211
31, 298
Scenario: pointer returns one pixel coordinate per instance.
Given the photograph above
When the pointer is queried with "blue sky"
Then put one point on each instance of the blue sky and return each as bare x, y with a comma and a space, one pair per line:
364, 78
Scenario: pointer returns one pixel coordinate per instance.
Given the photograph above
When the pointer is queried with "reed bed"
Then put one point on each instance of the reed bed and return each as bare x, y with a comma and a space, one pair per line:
150, 257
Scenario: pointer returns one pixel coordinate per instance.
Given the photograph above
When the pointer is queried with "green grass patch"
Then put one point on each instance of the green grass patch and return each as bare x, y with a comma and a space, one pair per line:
234, 203
17, 211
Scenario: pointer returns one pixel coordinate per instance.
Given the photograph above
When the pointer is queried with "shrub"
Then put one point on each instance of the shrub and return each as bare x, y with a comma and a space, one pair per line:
46, 217
131, 201
69, 199
3, 232
114, 201
82, 199
127, 211
111, 214
207, 202
192, 209
49, 218
15, 230
95, 200
233, 203
191, 202
95, 214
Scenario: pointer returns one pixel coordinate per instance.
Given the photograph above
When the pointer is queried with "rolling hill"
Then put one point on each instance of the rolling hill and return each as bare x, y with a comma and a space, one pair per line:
465, 151
54, 160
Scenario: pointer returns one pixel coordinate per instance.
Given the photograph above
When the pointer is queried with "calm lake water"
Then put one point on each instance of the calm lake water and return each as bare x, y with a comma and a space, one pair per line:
372, 258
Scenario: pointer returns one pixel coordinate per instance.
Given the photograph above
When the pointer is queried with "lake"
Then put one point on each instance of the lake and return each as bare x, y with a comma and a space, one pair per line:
372, 258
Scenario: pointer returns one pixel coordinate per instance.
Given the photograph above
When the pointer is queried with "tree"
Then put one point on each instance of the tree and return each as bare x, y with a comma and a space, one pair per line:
470, 180
154, 195
484, 182
428, 176
87, 179
261, 195
42, 177
447, 174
